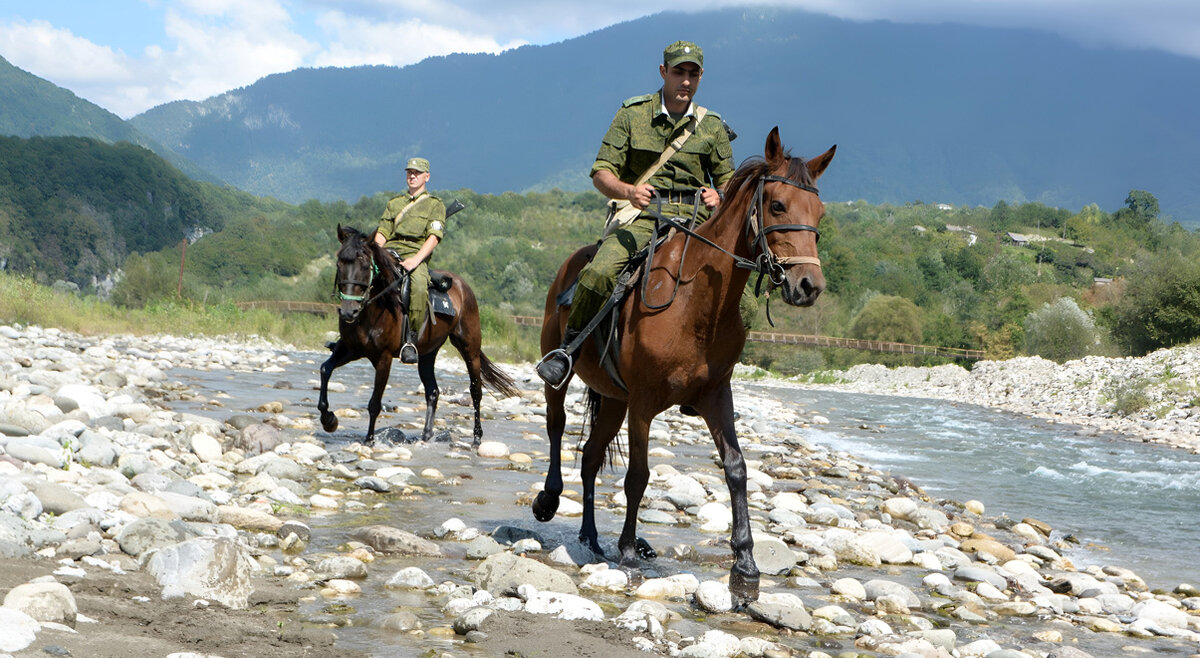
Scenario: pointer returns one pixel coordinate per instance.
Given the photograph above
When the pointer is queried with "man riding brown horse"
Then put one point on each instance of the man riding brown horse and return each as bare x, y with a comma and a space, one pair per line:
660, 147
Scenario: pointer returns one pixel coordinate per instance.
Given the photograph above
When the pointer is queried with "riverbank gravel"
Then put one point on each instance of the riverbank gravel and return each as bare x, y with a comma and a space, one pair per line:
130, 529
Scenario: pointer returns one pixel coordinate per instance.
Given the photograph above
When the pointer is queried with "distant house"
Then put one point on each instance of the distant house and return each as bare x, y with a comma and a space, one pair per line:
1019, 239
944, 206
1101, 281
918, 228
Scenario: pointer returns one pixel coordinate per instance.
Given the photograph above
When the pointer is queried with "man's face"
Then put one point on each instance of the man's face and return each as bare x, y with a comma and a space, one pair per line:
680, 82
416, 179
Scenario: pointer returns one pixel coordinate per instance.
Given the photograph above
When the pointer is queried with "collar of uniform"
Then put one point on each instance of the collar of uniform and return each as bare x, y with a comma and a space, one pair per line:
662, 107
412, 198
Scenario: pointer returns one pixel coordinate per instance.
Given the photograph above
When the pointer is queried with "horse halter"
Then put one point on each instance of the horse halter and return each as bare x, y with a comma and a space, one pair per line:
366, 286
767, 263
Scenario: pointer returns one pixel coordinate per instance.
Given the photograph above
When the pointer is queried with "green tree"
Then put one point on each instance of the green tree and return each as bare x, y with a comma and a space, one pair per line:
1160, 306
888, 318
1060, 331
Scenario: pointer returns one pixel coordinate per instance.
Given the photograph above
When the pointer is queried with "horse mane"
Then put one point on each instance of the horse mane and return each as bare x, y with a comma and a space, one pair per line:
356, 241
755, 166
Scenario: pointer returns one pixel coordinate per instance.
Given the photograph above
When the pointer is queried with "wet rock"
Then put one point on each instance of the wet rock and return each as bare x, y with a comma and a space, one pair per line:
340, 568
505, 571
410, 578
387, 539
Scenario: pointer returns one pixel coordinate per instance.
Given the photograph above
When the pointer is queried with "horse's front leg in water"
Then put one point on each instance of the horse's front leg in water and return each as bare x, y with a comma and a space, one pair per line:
636, 478
545, 504
383, 370
432, 393
339, 357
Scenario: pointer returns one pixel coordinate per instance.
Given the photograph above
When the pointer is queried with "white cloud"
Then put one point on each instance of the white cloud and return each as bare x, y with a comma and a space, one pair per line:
57, 54
355, 40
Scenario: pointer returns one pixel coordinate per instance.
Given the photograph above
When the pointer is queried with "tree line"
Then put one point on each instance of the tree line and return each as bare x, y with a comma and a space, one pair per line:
1010, 279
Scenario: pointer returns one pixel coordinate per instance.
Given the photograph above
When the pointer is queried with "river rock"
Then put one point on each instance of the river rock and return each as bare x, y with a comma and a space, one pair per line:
210, 568
17, 629
505, 571
145, 535
387, 539
51, 602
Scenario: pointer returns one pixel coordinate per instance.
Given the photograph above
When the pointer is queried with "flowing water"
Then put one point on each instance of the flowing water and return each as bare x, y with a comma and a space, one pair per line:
1128, 504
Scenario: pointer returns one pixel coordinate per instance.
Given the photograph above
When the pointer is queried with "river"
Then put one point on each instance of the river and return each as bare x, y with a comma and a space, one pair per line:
1127, 504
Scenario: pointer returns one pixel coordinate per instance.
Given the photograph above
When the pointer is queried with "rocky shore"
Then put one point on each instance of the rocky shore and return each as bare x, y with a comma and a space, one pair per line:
1153, 399
130, 528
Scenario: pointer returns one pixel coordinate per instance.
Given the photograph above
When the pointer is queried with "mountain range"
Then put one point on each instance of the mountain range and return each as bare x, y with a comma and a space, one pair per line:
934, 113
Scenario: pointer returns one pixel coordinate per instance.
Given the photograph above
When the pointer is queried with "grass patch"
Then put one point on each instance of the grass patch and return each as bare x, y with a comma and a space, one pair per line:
1127, 398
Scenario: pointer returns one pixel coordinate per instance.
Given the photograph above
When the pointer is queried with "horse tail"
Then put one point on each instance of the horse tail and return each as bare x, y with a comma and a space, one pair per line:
495, 378
591, 412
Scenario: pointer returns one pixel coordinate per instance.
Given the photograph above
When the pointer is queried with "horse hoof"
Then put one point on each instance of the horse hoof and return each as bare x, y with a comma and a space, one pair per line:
329, 421
743, 588
644, 550
544, 506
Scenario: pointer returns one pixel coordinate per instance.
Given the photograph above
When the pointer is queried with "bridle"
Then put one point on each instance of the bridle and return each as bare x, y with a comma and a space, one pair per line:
338, 286
765, 263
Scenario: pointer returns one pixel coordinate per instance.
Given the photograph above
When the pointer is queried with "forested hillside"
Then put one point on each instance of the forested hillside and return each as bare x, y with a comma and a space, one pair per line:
33, 107
941, 113
73, 208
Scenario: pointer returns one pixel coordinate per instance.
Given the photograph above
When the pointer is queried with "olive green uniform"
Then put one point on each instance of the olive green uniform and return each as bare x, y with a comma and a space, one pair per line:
405, 230
635, 140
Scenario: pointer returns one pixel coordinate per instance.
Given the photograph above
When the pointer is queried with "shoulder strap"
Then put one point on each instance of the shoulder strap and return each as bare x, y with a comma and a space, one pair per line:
674, 146
409, 206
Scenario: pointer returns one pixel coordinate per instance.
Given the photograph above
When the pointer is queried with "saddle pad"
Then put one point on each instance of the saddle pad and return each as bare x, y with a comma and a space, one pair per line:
439, 302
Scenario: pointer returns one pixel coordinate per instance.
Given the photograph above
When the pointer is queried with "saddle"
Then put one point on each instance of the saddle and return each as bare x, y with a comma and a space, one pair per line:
604, 333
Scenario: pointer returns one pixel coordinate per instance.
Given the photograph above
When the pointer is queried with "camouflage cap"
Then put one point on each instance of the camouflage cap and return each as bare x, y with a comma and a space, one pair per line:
683, 51
417, 164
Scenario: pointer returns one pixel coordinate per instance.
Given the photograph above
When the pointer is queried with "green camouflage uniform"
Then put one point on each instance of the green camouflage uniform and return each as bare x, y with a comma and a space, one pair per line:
637, 137
427, 217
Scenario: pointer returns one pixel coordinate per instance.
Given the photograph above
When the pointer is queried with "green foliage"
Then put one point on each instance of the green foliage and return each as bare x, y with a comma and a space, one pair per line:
1160, 306
888, 318
1060, 331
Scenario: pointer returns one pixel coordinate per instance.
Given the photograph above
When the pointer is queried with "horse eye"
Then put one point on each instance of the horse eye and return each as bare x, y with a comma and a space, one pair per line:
777, 207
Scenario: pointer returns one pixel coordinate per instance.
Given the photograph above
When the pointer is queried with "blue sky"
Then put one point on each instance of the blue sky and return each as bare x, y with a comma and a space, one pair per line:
130, 55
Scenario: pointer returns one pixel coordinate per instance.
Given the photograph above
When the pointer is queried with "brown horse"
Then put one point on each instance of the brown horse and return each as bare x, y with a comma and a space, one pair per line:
684, 353
369, 323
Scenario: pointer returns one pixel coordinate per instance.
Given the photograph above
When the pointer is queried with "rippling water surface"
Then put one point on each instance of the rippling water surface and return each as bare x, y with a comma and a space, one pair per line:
1130, 504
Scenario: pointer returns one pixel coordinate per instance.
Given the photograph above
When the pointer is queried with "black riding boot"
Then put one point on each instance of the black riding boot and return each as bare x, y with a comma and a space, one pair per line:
408, 353
555, 367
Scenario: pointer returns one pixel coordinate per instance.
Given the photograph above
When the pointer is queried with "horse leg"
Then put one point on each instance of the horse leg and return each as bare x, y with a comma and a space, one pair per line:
339, 357
605, 425
383, 370
432, 393
471, 355
546, 502
636, 478
718, 414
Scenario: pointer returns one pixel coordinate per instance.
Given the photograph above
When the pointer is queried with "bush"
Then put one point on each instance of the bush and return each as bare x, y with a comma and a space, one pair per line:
1060, 331
888, 318
1160, 306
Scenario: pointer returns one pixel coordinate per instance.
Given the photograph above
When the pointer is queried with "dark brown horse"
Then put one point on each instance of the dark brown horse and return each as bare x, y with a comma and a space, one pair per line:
684, 353
369, 323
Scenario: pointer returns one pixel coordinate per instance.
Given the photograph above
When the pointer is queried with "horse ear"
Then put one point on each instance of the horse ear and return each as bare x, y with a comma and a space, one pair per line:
774, 149
817, 165
341, 233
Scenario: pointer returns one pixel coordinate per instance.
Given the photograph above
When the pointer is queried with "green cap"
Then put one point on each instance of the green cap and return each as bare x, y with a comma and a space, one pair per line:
683, 51
418, 164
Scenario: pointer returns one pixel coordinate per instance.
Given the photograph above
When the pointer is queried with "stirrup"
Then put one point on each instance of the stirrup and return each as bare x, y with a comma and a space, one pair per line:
408, 353
545, 367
